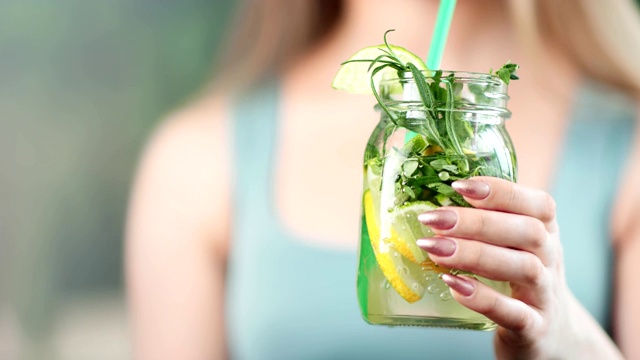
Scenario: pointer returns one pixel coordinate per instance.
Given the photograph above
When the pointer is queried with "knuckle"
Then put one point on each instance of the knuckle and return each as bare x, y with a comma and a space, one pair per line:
492, 307
475, 257
521, 322
468, 257
477, 225
537, 233
511, 197
535, 274
548, 208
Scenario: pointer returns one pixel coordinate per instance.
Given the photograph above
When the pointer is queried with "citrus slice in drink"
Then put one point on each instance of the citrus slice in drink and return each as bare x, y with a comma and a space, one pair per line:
406, 225
410, 251
403, 275
373, 177
354, 75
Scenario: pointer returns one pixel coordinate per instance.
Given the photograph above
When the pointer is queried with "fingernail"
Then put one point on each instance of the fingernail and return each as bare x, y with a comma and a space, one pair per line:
460, 285
441, 219
437, 246
475, 189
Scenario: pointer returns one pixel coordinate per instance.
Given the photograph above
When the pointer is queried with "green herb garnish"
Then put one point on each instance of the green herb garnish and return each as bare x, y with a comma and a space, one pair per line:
438, 152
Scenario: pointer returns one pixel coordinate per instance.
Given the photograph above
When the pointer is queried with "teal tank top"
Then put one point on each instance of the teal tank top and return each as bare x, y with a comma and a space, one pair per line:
289, 300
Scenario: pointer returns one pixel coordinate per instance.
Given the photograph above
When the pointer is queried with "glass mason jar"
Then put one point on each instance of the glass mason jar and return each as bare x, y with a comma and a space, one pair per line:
426, 139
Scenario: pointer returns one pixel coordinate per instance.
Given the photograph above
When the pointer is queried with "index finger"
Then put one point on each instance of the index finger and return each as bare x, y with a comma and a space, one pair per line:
491, 193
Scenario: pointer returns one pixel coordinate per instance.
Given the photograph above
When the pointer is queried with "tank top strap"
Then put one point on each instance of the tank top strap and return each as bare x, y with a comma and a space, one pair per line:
255, 121
597, 146
598, 141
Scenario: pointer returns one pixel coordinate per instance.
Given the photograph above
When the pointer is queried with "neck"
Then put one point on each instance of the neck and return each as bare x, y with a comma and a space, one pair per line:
487, 43
482, 37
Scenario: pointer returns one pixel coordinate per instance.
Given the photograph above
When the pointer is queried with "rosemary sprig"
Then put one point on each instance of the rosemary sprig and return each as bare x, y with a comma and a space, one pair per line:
436, 158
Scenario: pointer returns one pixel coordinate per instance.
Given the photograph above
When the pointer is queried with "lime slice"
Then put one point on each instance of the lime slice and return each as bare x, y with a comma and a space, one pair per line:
355, 77
405, 223
399, 271
409, 229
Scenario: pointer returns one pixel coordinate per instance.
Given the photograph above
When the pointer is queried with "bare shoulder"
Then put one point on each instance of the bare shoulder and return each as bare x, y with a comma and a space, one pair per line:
183, 182
627, 210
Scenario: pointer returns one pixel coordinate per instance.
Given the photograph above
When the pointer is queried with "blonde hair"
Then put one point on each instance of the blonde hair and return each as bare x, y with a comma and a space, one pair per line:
601, 37
269, 34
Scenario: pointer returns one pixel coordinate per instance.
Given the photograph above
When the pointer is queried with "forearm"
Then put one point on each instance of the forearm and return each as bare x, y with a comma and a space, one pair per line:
585, 338
578, 336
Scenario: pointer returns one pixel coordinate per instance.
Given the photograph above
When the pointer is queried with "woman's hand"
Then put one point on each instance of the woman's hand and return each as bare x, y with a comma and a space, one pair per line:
510, 235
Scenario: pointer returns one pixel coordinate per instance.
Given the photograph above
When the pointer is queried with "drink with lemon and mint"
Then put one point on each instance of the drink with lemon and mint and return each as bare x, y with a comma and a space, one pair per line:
435, 127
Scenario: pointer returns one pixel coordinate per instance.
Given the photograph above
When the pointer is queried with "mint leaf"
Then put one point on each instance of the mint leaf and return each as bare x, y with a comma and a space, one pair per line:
442, 188
508, 72
451, 168
439, 164
409, 192
409, 167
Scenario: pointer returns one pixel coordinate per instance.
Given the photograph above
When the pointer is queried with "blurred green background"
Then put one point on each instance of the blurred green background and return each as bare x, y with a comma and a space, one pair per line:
82, 85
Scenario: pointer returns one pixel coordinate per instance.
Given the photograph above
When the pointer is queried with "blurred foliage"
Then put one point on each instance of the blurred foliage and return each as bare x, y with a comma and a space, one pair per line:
82, 84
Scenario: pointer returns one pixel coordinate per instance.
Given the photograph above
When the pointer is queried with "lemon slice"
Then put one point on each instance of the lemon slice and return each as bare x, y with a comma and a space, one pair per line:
392, 228
410, 251
399, 271
406, 225
355, 77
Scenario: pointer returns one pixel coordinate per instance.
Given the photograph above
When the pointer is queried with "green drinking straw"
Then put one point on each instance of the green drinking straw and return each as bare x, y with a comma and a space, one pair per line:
438, 41
440, 33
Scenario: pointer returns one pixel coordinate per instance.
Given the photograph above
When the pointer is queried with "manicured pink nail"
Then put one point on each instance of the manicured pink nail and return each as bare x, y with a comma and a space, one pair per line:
437, 246
460, 285
475, 189
440, 219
